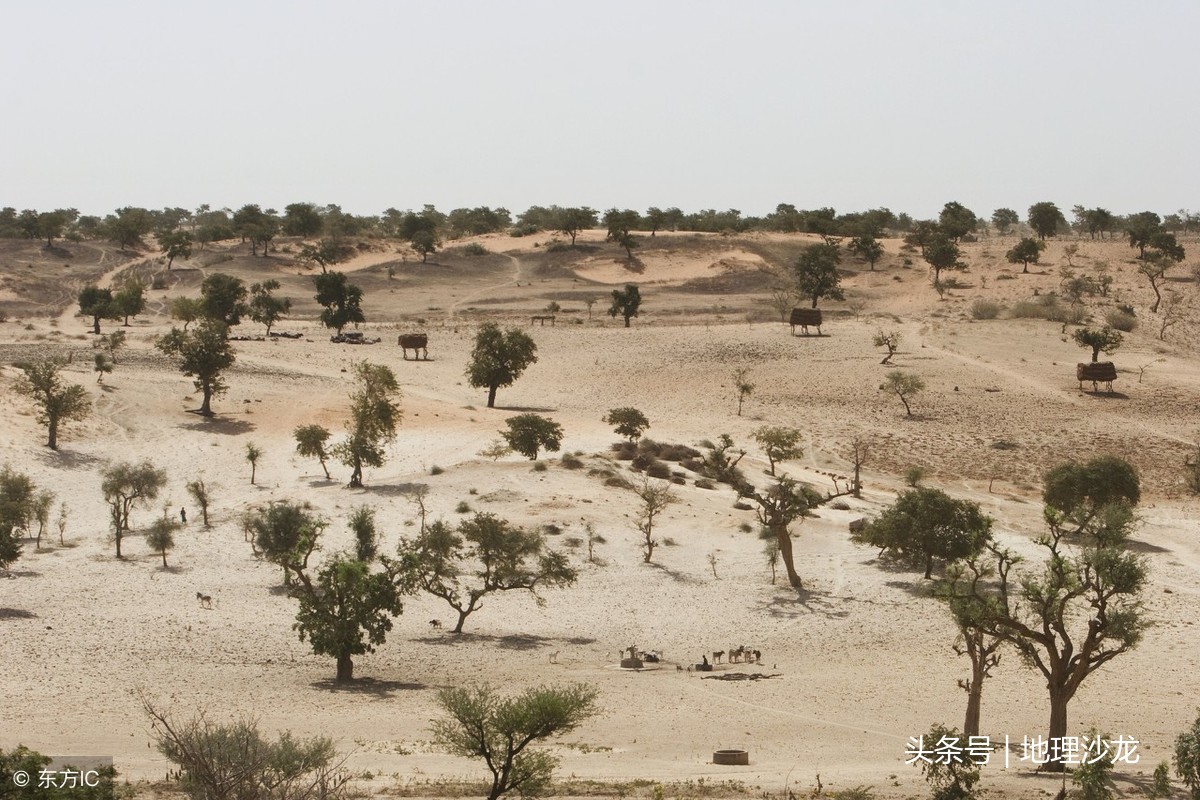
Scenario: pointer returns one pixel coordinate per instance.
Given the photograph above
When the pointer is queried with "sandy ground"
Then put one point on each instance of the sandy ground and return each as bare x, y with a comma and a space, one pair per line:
860, 661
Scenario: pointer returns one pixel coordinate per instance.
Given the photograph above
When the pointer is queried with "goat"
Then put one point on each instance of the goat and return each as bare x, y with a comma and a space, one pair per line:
718, 655
205, 600
435, 624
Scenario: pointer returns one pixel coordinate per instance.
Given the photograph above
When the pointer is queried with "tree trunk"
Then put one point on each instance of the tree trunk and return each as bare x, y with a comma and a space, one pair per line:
254, 468
492, 390
345, 668
204, 513
815, 298
626, 322
785, 551
117, 538
206, 406
327, 476
907, 410
96, 324
462, 617
164, 557
356, 476
1058, 725
928, 566
974, 700
52, 438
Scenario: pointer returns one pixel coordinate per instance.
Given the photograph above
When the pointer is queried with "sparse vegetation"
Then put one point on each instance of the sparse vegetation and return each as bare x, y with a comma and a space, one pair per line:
56, 401
904, 385
627, 422
529, 433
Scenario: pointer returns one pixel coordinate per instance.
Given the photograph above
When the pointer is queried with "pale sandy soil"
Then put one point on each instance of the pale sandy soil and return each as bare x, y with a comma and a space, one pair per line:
862, 658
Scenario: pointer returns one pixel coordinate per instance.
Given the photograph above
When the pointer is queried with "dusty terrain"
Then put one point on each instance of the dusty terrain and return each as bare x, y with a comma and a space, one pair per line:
861, 660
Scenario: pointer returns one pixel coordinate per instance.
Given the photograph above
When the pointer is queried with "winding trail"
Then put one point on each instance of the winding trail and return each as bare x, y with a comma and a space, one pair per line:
517, 275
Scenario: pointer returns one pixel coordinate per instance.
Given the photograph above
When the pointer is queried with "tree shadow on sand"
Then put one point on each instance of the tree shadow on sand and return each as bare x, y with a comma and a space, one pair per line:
398, 489
678, 577
368, 686
800, 602
222, 425
16, 613
512, 641
527, 409
69, 459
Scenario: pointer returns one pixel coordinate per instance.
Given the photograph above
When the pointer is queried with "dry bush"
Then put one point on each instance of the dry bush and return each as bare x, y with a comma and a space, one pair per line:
571, 462
985, 309
1120, 320
619, 482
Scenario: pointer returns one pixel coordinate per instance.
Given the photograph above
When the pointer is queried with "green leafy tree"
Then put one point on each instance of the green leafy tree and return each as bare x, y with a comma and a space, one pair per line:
128, 225
102, 365
620, 225
1027, 251
18, 496
499, 358
980, 647
484, 555
956, 220
529, 433
655, 219
777, 507
130, 300
1163, 253
904, 385
1098, 339
366, 537
952, 772
742, 385
176, 244
223, 298
481, 724
56, 401
342, 300
310, 443
265, 307
347, 611
203, 355
125, 485
52, 225
1044, 218
1080, 611
655, 497
301, 219
779, 443
626, 302
202, 495
942, 254
425, 243
927, 524
256, 226
1093, 775
1076, 493
187, 310
627, 422
1140, 228
325, 253
285, 534
573, 220
31, 763
98, 304
816, 272
890, 340
1004, 219
1187, 758
374, 415
868, 248
161, 536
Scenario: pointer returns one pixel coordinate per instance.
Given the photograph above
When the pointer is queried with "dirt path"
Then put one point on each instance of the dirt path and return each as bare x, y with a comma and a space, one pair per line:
517, 275
69, 314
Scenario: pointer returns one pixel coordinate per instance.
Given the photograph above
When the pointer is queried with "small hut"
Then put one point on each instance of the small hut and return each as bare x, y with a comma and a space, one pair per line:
805, 317
1097, 372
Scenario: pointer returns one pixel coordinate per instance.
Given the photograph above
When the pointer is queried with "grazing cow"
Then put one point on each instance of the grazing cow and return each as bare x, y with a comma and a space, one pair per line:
415, 342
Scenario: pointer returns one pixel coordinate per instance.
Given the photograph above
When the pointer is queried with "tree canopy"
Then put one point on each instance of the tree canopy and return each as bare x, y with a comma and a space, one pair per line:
816, 272
626, 302
529, 433
499, 358
926, 524
374, 415
202, 354
342, 300
56, 401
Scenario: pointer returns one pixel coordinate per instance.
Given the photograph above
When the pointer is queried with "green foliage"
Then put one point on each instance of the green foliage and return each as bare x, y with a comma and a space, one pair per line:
259, 226
1099, 340
310, 443
18, 494
1027, 251
866, 247
103, 365
325, 253
499, 358
721, 461
573, 220
926, 524
904, 385
479, 723
1120, 321
1161, 786
528, 433
888, 339
941, 253
1093, 775
956, 220
913, 476
374, 415
265, 308
783, 503
301, 219
347, 611
1187, 758
342, 300
98, 304
56, 402
953, 776
627, 422
366, 538
1003, 219
816, 272
1044, 218
124, 485
485, 554
620, 225
496, 450
253, 453
161, 536
425, 243
31, 762
223, 298
1078, 493
779, 443
475, 249
202, 496
1140, 228
235, 762
285, 534
655, 498
626, 302
187, 310
130, 300
202, 354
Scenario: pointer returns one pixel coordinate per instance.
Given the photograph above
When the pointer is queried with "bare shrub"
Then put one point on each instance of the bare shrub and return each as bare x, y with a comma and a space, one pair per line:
985, 309
1120, 320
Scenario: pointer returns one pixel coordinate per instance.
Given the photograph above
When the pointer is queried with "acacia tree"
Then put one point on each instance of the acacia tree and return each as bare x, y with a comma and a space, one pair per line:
904, 385
926, 524
223, 298
325, 253
528, 433
161, 536
374, 415
627, 422
942, 254
1164, 253
342, 300
98, 304
56, 402
1003, 219
956, 220
499, 730
620, 225
1044, 218
485, 554
285, 534
310, 442
125, 485
175, 244
1083, 609
265, 307
187, 310
784, 502
203, 354
980, 647
655, 498
573, 220
499, 358
1027, 251
347, 611
626, 302
130, 300
868, 248
816, 272
779, 443
1100, 340
202, 494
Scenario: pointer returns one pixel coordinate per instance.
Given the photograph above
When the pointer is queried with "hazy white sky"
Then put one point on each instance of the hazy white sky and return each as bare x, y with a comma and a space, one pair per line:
691, 104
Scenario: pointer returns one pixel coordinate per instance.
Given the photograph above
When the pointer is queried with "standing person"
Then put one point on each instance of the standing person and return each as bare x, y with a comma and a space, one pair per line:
183, 515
